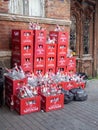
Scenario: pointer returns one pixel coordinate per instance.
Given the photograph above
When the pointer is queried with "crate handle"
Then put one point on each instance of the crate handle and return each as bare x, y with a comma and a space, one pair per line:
31, 102
27, 33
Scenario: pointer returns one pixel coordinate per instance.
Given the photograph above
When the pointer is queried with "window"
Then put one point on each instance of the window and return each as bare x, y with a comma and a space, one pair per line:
86, 36
27, 7
73, 33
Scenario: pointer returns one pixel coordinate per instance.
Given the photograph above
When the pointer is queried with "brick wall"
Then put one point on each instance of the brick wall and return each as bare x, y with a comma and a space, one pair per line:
58, 9
4, 6
7, 26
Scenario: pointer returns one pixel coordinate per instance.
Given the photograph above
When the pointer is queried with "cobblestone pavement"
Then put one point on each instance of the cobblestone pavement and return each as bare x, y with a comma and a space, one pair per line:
74, 116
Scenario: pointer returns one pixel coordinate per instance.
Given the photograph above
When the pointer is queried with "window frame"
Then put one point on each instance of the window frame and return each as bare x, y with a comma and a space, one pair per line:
19, 8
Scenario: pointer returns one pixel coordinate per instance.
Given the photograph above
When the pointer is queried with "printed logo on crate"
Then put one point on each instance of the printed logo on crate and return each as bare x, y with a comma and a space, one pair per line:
30, 109
40, 39
51, 49
62, 49
55, 106
61, 61
71, 62
55, 103
52, 102
50, 61
39, 61
50, 65
63, 37
70, 85
27, 105
27, 50
40, 50
40, 36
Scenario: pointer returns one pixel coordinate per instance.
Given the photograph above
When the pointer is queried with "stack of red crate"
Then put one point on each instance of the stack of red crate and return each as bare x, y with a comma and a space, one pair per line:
62, 46
71, 65
50, 64
39, 51
22, 49
11, 87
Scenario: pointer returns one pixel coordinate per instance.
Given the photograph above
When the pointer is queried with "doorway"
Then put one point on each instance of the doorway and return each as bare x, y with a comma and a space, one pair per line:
82, 35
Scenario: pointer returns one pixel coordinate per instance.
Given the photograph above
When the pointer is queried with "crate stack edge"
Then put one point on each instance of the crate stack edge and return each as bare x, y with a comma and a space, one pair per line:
51, 50
22, 49
62, 48
11, 87
39, 51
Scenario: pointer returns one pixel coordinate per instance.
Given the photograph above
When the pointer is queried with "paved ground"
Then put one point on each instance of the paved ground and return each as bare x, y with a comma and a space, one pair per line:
74, 116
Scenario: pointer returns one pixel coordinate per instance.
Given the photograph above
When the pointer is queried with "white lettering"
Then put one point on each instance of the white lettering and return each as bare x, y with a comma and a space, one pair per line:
30, 109
55, 106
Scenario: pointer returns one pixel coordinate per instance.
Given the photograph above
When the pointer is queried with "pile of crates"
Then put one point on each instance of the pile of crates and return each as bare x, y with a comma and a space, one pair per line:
21, 105
63, 63
31, 50
26, 105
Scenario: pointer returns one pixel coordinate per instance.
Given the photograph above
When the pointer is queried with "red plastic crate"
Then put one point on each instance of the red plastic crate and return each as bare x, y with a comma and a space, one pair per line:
69, 85
26, 62
39, 36
61, 69
40, 70
27, 105
22, 36
51, 49
61, 37
53, 102
61, 60
71, 62
62, 49
22, 49
51, 61
39, 50
39, 61
11, 85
